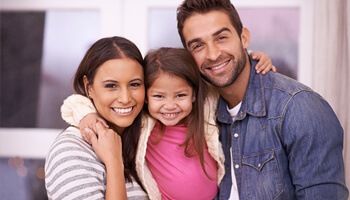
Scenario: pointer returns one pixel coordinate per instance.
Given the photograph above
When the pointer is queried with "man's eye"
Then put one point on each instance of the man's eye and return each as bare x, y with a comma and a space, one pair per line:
196, 47
222, 37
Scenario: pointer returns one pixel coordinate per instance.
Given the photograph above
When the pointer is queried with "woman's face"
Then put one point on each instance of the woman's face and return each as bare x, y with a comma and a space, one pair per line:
118, 91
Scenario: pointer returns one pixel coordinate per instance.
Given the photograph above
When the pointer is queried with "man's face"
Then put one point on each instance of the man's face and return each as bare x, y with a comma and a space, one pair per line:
216, 47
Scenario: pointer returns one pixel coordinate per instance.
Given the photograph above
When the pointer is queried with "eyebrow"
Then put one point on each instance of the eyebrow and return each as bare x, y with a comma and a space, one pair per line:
116, 81
214, 34
108, 81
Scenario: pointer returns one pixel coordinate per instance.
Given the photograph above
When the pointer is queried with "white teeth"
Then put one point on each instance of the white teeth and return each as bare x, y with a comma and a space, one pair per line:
122, 110
169, 114
217, 67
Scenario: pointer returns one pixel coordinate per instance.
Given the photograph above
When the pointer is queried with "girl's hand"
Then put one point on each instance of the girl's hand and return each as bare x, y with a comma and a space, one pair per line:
89, 123
265, 64
107, 145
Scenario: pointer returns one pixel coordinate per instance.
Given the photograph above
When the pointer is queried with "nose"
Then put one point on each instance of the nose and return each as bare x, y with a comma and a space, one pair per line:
124, 96
213, 52
170, 104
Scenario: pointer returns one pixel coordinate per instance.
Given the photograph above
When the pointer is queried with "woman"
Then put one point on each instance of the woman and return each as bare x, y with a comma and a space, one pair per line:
111, 76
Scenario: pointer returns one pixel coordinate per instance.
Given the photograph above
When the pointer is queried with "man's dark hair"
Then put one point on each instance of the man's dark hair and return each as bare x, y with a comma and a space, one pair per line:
189, 7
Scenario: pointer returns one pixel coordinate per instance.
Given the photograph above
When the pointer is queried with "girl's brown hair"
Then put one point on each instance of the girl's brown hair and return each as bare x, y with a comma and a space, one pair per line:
180, 63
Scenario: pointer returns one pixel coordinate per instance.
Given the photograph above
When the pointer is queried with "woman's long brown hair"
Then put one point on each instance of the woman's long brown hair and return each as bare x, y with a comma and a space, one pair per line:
101, 51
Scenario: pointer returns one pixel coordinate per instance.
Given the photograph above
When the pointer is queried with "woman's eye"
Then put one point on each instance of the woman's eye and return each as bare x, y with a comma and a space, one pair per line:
135, 84
110, 85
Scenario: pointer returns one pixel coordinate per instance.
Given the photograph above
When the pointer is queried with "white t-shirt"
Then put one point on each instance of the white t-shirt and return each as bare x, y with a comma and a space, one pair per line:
234, 190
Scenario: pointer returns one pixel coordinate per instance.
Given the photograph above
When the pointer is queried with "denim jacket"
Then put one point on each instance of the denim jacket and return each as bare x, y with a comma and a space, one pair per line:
286, 143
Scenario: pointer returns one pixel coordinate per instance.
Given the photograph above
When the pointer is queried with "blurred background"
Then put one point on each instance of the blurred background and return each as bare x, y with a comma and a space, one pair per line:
43, 41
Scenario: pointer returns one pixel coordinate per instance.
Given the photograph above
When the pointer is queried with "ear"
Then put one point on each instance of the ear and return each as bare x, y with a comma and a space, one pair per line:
193, 99
87, 87
245, 37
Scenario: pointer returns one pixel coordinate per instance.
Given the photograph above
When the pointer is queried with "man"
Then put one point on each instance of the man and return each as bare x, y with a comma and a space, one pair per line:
281, 140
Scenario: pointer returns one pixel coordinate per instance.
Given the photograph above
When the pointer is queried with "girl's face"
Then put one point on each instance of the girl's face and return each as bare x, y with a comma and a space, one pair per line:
118, 91
170, 99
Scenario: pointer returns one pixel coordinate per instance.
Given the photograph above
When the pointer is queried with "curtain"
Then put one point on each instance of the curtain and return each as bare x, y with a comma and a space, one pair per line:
331, 62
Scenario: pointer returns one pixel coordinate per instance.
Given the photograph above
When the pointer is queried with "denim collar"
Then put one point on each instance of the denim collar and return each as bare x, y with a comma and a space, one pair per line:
253, 102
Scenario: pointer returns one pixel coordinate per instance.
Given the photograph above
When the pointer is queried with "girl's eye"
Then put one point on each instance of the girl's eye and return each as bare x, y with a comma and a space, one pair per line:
158, 96
181, 95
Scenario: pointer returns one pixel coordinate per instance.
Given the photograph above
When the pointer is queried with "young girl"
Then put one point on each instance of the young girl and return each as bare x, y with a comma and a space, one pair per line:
179, 155
76, 170
182, 152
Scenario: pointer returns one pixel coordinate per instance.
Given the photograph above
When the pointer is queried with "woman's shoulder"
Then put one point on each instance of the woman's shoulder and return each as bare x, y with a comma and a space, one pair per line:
69, 147
72, 169
70, 138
